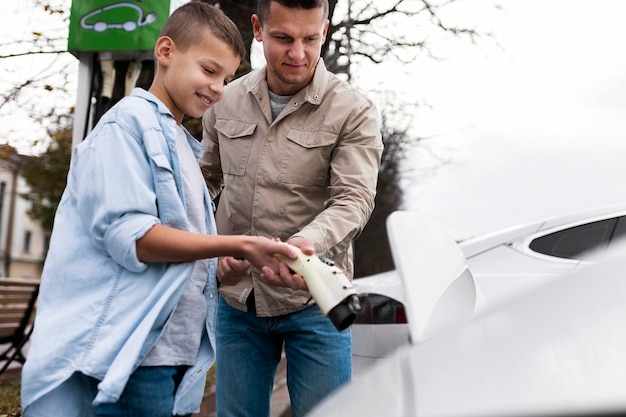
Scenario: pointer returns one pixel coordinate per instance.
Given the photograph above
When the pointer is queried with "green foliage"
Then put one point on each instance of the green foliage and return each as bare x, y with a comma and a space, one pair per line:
46, 175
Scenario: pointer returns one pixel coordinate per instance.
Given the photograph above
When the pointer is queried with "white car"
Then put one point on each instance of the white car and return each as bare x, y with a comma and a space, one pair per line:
503, 264
557, 350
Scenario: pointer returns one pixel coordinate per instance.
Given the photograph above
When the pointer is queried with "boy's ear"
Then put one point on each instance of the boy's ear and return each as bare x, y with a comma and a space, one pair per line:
163, 50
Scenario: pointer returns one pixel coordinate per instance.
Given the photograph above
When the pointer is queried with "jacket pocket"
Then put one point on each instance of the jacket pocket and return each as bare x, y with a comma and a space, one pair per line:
306, 157
235, 144
168, 194
163, 172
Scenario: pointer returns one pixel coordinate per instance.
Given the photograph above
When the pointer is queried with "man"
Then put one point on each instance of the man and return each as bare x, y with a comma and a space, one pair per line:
295, 153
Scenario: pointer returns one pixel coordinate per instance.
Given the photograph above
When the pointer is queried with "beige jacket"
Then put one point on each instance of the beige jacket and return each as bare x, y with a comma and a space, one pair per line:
312, 172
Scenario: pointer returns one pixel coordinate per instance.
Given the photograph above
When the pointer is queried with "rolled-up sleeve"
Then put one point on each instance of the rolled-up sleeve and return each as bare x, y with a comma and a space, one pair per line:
353, 177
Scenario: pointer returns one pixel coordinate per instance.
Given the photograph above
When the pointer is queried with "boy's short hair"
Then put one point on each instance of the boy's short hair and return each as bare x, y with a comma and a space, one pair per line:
263, 6
187, 21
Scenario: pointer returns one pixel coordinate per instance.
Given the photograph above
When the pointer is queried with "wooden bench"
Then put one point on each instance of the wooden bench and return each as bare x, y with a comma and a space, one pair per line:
18, 297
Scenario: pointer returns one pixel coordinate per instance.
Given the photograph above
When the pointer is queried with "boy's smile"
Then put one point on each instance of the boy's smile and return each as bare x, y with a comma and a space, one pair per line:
194, 79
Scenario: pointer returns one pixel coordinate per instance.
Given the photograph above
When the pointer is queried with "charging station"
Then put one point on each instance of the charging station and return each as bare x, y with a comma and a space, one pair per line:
113, 41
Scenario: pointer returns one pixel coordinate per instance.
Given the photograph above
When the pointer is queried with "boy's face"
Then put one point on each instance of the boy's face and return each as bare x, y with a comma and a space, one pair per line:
192, 80
292, 43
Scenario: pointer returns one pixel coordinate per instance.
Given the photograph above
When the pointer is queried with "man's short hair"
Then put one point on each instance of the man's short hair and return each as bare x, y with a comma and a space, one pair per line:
263, 6
187, 21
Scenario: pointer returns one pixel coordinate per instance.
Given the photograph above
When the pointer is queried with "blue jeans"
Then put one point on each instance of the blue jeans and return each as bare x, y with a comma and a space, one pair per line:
148, 393
249, 350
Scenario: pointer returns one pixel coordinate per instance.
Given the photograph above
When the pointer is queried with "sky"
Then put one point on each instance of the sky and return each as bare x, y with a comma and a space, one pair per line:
528, 128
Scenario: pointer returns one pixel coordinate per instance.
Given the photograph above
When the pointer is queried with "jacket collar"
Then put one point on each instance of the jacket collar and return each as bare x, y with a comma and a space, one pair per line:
196, 147
313, 92
148, 96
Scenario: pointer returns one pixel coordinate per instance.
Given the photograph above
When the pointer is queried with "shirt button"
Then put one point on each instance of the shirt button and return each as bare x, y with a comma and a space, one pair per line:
211, 296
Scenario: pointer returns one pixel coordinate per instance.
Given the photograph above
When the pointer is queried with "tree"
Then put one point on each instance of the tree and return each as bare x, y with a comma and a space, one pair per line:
361, 31
34, 92
372, 252
46, 176
368, 29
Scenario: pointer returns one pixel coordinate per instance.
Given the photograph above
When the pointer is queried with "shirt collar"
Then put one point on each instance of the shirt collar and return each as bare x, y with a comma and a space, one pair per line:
313, 92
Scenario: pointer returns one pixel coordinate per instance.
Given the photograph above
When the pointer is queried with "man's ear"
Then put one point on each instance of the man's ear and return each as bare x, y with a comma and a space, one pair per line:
163, 50
256, 27
325, 31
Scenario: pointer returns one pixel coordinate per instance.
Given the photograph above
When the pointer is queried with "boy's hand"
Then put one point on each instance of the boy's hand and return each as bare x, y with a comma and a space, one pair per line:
305, 245
285, 276
261, 252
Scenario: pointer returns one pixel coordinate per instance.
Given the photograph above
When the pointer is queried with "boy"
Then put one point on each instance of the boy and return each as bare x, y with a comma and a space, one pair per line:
126, 314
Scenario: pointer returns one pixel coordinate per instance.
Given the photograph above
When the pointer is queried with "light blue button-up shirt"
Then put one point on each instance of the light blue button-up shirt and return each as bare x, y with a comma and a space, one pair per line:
100, 309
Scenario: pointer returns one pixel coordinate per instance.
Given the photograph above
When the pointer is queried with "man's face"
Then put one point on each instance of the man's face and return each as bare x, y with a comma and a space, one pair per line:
292, 42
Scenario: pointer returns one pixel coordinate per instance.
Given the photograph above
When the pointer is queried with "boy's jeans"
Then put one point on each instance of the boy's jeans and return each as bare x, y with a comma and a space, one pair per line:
249, 350
148, 393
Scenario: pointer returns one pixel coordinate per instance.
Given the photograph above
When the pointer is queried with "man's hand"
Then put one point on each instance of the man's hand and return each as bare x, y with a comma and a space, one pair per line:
231, 270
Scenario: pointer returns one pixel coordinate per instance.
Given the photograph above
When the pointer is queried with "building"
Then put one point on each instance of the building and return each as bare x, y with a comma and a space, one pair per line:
23, 242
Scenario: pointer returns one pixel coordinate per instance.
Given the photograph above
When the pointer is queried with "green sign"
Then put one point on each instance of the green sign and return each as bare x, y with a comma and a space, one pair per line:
109, 25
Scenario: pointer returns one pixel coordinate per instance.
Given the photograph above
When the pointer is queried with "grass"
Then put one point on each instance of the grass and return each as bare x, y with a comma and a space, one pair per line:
10, 390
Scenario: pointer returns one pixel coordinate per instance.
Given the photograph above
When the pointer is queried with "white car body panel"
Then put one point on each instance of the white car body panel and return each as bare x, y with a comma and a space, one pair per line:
523, 273
381, 339
556, 350
387, 283
502, 265
447, 296
444, 291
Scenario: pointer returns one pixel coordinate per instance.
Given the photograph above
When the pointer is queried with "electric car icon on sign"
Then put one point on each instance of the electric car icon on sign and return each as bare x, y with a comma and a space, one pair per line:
97, 19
